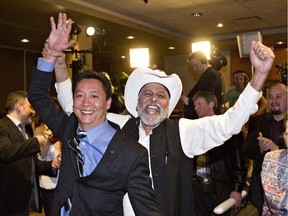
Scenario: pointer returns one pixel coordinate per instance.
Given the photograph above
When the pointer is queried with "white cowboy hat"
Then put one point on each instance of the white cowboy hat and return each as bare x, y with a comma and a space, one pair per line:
140, 77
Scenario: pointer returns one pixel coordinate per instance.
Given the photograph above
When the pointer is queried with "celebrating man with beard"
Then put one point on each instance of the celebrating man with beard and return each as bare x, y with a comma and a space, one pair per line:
264, 135
150, 97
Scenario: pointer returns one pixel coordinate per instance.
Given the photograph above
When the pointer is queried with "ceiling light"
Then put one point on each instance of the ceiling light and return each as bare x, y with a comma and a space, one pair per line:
139, 57
204, 46
90, 31
130, 37
280, 42
25, 40
220, 25
171, 48
123, 57
196, 14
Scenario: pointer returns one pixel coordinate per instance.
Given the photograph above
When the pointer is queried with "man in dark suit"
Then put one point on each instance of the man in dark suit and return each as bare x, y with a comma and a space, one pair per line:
19, 165
264, 135
210, 80
97, 171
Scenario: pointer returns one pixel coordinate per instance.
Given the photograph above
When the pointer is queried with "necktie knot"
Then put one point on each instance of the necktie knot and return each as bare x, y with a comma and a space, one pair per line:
81, 134
21, 126
22, 129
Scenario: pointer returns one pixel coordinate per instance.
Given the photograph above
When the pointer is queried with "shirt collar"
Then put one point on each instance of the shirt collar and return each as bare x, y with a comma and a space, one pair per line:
14, 120
95, 132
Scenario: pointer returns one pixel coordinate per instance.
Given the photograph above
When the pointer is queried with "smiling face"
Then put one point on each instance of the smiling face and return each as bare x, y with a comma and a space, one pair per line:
277, 99
90, 103
153, 102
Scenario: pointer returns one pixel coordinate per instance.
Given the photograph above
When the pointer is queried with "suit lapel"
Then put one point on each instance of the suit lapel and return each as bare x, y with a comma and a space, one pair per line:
14, 127
111, 153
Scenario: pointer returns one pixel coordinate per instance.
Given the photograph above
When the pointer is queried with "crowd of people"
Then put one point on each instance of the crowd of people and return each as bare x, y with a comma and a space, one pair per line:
85, 160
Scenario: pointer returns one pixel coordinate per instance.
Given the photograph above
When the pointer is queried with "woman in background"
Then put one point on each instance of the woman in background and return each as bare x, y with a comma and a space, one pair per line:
274, 176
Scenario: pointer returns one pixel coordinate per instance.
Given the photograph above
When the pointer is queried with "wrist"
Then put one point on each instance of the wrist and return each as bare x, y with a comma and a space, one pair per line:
56, 53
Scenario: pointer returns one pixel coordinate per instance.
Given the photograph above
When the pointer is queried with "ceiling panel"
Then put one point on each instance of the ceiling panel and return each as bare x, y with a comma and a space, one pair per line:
156, 24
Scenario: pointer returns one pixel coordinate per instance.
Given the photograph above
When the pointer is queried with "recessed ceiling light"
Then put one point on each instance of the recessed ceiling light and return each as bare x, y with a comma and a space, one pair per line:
220, 25
25, 40
123, 57
280, 42
90, 31
130, 37
196, 14
171, 48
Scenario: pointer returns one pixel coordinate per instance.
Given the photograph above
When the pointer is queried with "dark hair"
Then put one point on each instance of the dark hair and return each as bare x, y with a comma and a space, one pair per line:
198, 55
90, 74
208, 96
13, 98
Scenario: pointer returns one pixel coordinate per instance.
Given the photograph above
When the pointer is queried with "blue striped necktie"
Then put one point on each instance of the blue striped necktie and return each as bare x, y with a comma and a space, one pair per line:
74, 145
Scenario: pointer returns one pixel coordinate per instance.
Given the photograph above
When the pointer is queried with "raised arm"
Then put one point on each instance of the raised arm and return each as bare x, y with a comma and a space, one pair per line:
58, 41
199, 136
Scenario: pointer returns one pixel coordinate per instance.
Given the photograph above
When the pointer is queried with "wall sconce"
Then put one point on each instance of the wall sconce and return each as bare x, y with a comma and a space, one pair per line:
204, 46
90, 31
139, 57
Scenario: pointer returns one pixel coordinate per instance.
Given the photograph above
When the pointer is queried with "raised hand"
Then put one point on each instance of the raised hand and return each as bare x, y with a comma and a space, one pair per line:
262, 58
59, 36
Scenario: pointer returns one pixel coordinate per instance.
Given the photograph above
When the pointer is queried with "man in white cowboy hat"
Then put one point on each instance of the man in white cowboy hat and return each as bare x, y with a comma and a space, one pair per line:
150, 97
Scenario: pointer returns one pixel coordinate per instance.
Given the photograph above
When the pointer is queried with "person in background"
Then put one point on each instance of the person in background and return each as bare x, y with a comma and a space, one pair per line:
19, 166
264, 135
117, 105
221, 172
51, 150
210, 80
240, 80
150, 97
274, 178
100, 163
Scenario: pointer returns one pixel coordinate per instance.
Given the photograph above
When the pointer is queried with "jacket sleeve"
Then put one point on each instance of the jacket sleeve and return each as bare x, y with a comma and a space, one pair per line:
13, 148
140, 190
40, 100
238, 165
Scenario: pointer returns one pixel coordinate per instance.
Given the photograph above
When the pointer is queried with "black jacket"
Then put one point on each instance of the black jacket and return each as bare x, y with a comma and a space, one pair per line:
227, 166
258, 124
171, 168
122, 169
209, 81
15, 167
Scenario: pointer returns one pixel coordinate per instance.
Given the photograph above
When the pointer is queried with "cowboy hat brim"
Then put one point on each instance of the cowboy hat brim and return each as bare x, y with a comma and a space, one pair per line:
140, 77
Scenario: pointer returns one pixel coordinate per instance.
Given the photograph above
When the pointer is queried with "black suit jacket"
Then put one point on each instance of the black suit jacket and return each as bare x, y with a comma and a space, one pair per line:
123, 168
15, 167
209, 81
258, 124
